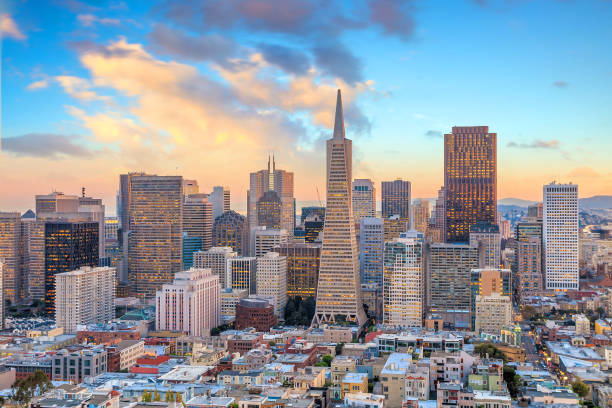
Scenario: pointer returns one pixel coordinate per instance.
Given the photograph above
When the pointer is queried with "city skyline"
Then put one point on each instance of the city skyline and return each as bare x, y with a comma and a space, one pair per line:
88, 107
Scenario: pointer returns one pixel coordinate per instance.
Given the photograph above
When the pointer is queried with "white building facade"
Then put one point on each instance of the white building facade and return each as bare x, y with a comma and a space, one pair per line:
272, 280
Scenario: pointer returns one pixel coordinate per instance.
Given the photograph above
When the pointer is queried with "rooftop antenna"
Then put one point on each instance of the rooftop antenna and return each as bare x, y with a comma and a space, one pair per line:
83, 192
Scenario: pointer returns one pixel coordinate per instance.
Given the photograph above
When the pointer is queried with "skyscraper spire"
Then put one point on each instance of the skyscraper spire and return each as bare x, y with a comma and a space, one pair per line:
339, 121
273, 163
268, 163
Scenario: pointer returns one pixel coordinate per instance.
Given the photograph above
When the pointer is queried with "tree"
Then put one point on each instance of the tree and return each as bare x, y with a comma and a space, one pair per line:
156, 396
580, 388
484, 349
36, 384
513, 381
146, 396
529, 312
234, 405
327, 359
339, 347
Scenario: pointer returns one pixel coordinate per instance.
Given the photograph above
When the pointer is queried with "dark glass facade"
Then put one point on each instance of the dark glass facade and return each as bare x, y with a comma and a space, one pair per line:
232, 229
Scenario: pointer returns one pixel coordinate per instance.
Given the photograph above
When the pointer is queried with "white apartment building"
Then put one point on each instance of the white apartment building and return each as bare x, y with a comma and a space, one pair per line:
560, 236
404, 281
264, 240
84, 296
215, 259
272, 280
493, 313
190, 304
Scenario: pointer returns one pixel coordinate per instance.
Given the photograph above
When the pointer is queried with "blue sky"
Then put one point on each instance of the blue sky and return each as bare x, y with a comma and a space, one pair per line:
93, 89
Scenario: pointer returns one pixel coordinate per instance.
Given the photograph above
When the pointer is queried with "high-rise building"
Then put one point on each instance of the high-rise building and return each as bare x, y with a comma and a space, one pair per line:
529, 266
33, 257
197, 219
10, 254
124, 198
232, 229
420, 215
364, 199
404, 281
191, 245
214, 259
313, 227
486, 281
396, 200
155, 232
560, 236
272, 280
536, 211
440, 214
303, 260
449, 269
271, 180
493, 313
95, 210
470, 180
264, 240
190, 303
339, 290
84, 296
371, 248
68, 247
488, 236
220, 200
528, 227
269, 210
393, 227
241, 273
190, 187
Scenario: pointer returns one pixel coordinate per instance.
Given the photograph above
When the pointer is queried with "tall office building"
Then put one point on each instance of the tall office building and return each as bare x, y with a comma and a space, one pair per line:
84, 296
190, 303
156, 232
220, 200
197, 219
269, 210
191, 245
33, 257
393, 227
313, 227
529, 266
404, 281
339, 290
95, 210
10, 254
364, 199
303, 261
448, 279
214, 259
420, 215
124, 198
264, 240
272, 280
396, 200
232, 230
68, 247
488, 236
528, 227
371, 247
241, 273
536, 211
470, 180
440, 215
560, 236
190, 187
1, 295
271, 180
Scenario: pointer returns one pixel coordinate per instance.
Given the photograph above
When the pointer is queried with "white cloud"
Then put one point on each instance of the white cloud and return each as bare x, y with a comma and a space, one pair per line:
9, 28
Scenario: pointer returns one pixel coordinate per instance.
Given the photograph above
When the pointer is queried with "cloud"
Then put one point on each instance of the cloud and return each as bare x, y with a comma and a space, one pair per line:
393, 16
9, 28
336, 60
289, 59
89, 20
79, 88
46, 145
583, 172
42, 84
433, 134
536, 144
560, 84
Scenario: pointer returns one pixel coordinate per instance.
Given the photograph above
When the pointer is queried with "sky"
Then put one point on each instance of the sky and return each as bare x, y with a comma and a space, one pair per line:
208, 89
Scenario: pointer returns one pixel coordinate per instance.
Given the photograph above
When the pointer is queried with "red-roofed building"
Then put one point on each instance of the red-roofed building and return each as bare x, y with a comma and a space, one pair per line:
372, 335
144, 370
152, 361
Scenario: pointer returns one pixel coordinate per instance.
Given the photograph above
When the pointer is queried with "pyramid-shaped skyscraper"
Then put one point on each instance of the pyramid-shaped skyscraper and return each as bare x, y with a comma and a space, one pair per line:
339, 291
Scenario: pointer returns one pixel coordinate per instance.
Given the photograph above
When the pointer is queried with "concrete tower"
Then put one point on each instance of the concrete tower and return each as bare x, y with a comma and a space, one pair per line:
339, 291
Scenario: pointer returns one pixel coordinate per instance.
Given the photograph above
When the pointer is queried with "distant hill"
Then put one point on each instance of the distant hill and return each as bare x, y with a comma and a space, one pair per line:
519, 202
601, 201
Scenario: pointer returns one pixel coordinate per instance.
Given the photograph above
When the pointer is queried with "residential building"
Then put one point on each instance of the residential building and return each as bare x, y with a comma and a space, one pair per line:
274, 181
190, 304
371, 247
339, 291
197, 219
241, 273
214, 259
560, 236
272, 280
156, 232
488, 236
404, 281
583, 325
449, 367
303, 260
364, 199
354, 383
84, 296
231, 230
74, 366
393, 378
529, 266
470, 180
255, 312
493, 312
220, 200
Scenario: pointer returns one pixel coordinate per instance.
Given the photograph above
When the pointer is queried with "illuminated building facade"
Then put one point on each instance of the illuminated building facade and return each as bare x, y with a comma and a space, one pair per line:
232, 230
269, 210
420, 216
371, 247
364, 199
303, 260
470, 180
395, 197
241, 273
198, 219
